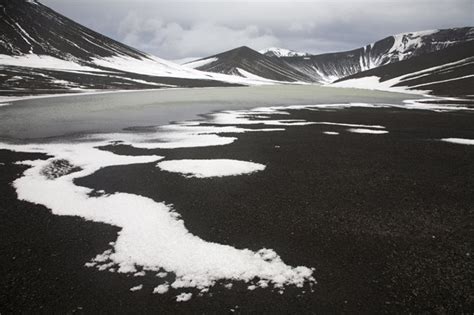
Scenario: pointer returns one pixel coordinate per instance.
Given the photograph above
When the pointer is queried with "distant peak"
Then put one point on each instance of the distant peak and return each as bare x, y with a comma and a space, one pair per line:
282, 52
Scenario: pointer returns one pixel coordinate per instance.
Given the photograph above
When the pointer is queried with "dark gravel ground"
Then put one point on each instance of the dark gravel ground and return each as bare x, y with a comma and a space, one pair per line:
386, 220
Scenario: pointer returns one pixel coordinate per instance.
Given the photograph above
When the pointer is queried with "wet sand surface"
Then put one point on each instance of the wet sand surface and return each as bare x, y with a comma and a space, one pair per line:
384, 219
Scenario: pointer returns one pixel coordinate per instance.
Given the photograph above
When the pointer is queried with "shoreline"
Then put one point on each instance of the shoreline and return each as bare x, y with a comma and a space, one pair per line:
44, 118
9, 99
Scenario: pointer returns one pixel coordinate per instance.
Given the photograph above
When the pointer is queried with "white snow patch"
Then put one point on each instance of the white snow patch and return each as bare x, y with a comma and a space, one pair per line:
137, 288
374, 83
348, 125
370, 131
43, 61
283, 52
184, 297
161, 289
459, 141
210, 168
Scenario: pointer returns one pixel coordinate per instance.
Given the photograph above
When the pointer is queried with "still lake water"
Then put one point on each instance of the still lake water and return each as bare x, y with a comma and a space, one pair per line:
60, 116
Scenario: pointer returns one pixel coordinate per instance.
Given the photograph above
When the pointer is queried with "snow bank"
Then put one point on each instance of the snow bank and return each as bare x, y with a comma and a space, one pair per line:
210, 168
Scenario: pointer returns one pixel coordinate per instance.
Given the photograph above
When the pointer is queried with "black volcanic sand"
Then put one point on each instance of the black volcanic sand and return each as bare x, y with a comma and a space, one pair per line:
386, 220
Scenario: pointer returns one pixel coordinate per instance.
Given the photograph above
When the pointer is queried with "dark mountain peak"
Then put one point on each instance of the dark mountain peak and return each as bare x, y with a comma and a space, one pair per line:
243, 48
242, 51
246, 62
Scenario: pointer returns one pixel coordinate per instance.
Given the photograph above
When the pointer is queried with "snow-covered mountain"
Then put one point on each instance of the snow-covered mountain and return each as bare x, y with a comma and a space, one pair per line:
42, 51
330, 67
248, 63
281, 52
448, 72
326, 68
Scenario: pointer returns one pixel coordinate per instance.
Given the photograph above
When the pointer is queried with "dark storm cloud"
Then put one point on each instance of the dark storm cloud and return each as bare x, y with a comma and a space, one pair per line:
181, 29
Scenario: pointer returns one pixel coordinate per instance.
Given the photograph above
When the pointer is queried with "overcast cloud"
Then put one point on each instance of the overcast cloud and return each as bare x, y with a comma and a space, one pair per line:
193, 28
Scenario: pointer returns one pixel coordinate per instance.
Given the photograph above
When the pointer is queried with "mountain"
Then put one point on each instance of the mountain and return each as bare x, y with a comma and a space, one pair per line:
42, 51
330, 67
248, 63
326, 68
447, 72
281, 52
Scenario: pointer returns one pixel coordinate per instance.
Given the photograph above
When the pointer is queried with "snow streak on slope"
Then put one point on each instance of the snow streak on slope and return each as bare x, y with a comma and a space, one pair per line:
448, 72
199, 63
327, 68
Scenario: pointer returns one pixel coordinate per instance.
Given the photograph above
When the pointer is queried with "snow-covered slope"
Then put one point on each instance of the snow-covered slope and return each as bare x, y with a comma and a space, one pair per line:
281, 52
42, 51
447, 72
327, 68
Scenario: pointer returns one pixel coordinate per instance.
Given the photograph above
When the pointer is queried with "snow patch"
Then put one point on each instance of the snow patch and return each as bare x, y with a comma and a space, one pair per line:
369, 131
161, 289
282, 52
44, 62
459, 141
210, 168
137, 288
184, 297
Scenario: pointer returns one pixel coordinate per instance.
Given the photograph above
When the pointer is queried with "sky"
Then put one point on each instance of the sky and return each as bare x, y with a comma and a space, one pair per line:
195, 28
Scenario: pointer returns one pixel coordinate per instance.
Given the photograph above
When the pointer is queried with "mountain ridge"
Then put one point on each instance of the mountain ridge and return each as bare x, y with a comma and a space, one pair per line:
243, 60
330, 67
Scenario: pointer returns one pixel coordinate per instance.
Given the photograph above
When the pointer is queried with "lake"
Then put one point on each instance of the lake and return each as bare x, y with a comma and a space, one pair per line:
110, 112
